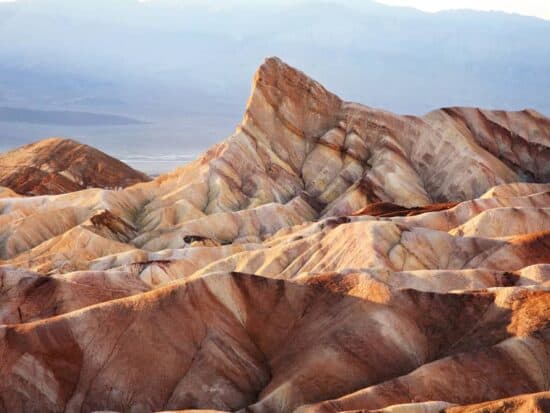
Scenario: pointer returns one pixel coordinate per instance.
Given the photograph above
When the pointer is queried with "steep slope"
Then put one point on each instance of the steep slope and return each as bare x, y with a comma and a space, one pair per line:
326, 257
531, 403
513, 137
249, 338
56, 166
301, 153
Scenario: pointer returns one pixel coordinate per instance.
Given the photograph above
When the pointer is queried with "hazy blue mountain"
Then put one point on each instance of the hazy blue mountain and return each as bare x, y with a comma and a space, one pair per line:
63, 117
181, 62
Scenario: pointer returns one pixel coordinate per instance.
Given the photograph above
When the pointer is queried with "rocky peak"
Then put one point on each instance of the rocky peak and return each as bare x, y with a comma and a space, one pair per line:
281, 93
59, 165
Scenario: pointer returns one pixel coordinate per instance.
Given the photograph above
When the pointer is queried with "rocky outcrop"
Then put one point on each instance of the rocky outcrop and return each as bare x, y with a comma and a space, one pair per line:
57, 166
326, 257
273, 345
531, 403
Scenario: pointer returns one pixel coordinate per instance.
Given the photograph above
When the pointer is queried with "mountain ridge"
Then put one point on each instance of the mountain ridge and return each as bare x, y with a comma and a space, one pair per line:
67, 117
301, 265
59, 165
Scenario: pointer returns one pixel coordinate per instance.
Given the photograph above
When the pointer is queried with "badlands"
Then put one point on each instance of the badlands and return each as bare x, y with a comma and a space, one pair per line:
327, 257
56, 166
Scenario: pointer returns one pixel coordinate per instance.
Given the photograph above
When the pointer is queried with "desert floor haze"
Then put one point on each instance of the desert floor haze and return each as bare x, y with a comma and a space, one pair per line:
326, 257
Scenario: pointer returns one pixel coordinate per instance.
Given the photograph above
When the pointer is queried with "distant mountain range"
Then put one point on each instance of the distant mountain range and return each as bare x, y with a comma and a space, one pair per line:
62, 117
177, 58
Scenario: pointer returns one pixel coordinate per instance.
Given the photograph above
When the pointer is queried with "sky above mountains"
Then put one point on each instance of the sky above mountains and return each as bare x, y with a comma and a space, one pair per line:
535, 8
189, 62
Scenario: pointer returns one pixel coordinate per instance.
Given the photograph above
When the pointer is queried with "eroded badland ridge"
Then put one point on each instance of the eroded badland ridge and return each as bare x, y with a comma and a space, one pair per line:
327, 257
56, 166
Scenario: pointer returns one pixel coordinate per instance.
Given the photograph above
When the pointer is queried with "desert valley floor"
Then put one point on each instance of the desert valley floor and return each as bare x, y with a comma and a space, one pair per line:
327, 257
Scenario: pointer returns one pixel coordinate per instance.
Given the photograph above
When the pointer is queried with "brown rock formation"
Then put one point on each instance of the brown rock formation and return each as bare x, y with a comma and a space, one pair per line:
249, 338
387, 209
326, 257
531, 403
57, 166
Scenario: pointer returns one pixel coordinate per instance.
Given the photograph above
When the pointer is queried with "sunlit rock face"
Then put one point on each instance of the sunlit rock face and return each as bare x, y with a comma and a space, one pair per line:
327, 257
57, 166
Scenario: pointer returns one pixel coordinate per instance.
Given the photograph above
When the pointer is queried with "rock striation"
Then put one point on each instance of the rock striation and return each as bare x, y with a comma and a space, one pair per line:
327, 257
56, 166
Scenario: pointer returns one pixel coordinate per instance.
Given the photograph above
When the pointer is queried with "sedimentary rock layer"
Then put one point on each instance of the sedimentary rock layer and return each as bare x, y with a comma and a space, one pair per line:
57, 166
326, 257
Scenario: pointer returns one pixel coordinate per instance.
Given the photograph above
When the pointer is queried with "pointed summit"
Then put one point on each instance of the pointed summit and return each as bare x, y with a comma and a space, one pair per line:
285, 95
